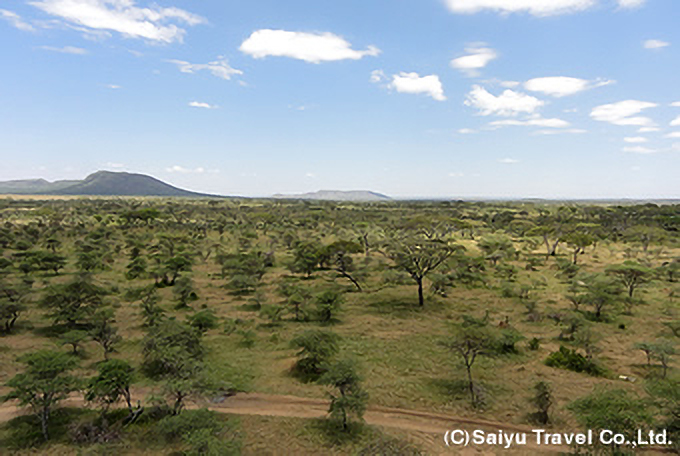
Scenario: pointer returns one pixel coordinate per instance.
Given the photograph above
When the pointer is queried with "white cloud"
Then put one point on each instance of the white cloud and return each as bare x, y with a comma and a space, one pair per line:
200, 104
456, 174
639, 150
219, 68
182, 170
655, 44
571, 131
535, 7
509, 103
16, 20
635, 140
113, 86
65, 50
623, 113
123, 16
466, 131
676, 104
413, 83
675, 122
675, 134
631, 3
477, 58
377, 76
648, 129
310, 47
509, 84
561, 86
508, 161
532, 122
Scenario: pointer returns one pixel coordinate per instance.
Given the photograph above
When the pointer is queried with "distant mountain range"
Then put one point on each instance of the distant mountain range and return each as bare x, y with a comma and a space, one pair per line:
108, 183
336, 195
101, 183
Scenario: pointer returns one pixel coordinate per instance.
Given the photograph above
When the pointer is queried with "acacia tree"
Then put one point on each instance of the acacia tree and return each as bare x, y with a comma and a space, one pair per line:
12, 297
73, 302
578, 241
496, 247
470, 340
341, 261
418, 257
111, 384
351, 399
612, 409
631, 275
103, 332
45, 381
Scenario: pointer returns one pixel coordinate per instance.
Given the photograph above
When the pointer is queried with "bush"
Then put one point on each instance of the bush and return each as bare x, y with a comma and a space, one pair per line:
248, 338
534, 344
316, 349
571, 360
175, 427
203, 432
204, 320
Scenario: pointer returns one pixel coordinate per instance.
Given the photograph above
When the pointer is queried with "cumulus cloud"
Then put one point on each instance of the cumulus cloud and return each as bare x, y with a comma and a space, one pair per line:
16, 20
477, 58
655, 44
414, 83
219, 68
65, 50
675, 134
639, 150
200, 104
624, 113
648, 129
635, 140
182, 170
561, 86
509, 103
675, 122
532, 122
534, 7
152, 23
310, 47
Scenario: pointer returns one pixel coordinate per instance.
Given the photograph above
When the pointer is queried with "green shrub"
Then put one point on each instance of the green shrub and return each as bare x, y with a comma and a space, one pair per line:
175, 427
571, 360
204, 320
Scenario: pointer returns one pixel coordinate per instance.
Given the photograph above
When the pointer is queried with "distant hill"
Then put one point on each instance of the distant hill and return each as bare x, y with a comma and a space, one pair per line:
33, 186
337, 195
101, 183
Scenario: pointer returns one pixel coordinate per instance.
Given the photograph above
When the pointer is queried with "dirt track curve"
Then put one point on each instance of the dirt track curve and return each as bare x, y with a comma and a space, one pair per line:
430, 426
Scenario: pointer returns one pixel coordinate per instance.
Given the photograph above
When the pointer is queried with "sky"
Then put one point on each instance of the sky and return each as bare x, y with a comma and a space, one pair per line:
411, 98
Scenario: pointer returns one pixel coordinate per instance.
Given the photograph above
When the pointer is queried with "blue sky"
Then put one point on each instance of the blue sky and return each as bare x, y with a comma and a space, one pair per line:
412, 98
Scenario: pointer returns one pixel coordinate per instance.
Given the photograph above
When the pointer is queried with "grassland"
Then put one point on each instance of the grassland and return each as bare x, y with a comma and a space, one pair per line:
397, 343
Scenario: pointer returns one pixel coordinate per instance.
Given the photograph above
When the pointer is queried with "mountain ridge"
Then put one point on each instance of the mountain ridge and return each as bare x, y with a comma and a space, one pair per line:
100, 183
